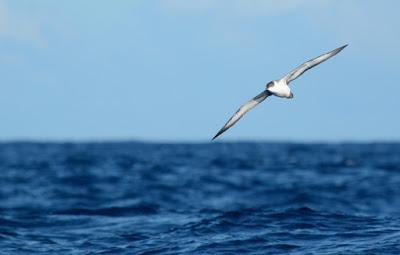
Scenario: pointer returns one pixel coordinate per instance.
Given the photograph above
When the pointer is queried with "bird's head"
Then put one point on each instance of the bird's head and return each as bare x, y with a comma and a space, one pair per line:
270, 84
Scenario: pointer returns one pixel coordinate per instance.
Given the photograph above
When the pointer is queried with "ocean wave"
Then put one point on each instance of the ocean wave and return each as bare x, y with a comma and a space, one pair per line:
221, 198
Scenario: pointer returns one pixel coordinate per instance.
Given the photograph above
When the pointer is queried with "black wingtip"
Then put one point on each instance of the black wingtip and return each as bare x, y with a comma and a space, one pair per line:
218, 134
336, 51
215, 136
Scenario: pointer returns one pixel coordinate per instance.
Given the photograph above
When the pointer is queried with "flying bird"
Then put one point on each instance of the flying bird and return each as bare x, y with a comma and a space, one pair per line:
279, 88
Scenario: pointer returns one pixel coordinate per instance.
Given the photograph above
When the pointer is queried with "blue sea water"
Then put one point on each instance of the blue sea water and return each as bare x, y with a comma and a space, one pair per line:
219, 198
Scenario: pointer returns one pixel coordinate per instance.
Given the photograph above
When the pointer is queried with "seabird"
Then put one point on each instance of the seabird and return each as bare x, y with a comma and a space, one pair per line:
279, 88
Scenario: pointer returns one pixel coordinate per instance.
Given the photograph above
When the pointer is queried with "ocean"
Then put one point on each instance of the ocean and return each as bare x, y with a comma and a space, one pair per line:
210, 198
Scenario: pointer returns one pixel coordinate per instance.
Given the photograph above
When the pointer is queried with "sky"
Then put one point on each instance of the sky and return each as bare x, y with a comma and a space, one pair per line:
176, 70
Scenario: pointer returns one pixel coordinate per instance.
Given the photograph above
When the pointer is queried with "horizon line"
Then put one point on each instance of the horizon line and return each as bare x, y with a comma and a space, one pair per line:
196, 141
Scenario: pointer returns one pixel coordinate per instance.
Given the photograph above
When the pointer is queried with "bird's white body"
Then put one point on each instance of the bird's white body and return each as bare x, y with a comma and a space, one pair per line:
280, 88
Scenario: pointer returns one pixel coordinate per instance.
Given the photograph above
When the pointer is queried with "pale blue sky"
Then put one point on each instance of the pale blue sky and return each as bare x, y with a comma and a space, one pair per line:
176, 70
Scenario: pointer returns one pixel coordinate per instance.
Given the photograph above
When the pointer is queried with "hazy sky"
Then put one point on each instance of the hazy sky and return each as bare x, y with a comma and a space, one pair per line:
176, 70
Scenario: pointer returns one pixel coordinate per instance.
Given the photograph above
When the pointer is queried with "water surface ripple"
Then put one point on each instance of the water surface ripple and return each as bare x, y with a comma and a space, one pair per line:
220, 198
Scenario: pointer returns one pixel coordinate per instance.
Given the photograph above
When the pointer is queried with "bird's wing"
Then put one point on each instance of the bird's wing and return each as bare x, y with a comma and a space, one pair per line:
310, 64
242, 111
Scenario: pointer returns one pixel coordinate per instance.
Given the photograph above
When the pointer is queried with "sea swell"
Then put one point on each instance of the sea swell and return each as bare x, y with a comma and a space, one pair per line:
222, 198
